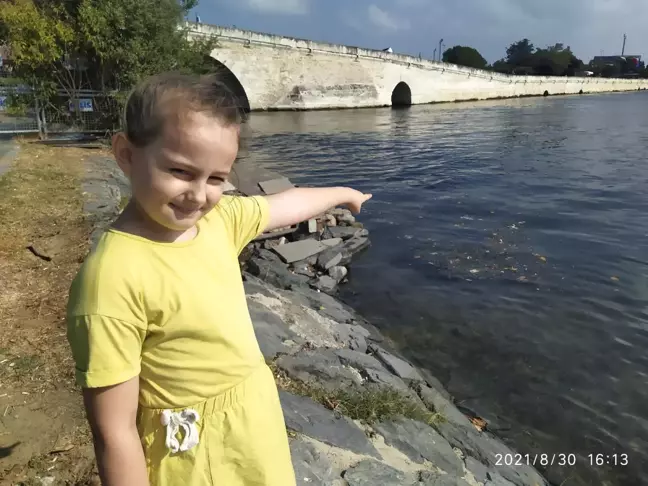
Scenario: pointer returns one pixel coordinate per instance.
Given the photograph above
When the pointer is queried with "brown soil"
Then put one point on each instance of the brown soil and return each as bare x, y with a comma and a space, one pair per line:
43, 432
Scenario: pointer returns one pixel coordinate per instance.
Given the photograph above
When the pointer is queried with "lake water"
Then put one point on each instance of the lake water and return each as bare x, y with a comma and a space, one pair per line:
510, 257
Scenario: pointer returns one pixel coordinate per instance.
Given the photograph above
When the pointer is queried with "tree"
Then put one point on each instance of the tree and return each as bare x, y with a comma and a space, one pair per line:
519, 53
556, 60
465, 56
38, 40
105, 45
131, 39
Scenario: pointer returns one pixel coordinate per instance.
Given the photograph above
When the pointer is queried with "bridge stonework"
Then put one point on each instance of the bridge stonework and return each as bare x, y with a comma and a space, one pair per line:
281, 73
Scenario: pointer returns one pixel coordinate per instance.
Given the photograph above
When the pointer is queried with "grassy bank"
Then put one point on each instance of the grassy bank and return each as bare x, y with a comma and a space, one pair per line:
44, 238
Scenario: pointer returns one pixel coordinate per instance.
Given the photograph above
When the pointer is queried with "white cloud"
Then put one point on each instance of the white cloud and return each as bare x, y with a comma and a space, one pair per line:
286, 7
380, 18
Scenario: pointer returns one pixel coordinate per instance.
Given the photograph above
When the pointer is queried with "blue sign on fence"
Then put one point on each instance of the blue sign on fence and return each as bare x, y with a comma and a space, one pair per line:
85, 104
3, 103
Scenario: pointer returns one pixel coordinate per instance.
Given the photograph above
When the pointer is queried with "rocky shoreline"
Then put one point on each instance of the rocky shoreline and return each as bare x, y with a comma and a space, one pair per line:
358, 414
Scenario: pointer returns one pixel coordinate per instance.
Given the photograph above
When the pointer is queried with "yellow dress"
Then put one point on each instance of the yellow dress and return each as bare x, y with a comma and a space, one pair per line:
175, 314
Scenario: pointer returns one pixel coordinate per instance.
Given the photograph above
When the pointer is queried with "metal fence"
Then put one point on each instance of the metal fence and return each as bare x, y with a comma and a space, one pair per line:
83, 111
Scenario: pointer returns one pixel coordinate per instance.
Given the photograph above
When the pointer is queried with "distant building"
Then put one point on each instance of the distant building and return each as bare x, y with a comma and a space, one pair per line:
616, 60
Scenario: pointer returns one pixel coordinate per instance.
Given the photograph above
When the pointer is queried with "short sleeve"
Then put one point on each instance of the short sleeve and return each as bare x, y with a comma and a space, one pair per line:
245, 218
107, 351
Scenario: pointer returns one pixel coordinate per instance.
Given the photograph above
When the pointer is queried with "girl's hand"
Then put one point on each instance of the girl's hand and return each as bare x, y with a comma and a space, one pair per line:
356, 200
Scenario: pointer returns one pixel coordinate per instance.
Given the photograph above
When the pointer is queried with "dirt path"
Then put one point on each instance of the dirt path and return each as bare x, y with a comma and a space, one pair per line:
43, 433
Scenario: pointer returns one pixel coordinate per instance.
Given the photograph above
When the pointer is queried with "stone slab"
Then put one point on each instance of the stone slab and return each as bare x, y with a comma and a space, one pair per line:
319, 367
420, 442
343, 232
246, 176
374, 473
429, 478
398, 366
299, 250
275, 273
306, 417
325, 284
276, 186
435, 400
331, 242
312, 468
271, 331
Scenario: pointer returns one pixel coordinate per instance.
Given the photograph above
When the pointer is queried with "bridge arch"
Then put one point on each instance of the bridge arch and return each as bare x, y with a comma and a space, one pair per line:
401, 95
231, 81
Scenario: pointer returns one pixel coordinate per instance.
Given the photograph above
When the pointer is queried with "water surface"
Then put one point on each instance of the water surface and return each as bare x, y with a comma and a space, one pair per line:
509, 257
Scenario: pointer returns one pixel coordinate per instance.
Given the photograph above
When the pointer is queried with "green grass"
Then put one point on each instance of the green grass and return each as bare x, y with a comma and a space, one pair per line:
369, 404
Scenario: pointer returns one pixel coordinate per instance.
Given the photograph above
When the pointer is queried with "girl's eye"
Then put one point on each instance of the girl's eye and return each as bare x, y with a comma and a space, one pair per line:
217, 180
180, 172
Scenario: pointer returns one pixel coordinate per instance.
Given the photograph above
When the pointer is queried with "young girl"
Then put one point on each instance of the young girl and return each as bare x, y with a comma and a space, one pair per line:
174, 384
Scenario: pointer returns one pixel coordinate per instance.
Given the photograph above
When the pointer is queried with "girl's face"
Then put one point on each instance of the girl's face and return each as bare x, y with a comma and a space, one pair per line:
179, 178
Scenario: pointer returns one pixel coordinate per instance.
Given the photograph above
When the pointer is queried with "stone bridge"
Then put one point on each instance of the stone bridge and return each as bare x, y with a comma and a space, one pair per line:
270, 72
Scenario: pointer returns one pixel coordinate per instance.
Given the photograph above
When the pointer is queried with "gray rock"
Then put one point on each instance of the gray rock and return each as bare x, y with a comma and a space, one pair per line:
332, 242
420, 442
398, 366
270, 330
330, 220
325, 284
478, 470
495, 479
305, 416
343, 216
353, 246
275, 273
374, 473
338, 273
299, 250
429, 478
434, 400
320, 367
303, 269
343, 232
372, 370
470, 441
434, 382
354, 337
269, 256
312, 225
275, 186
330, 258
521, 475
311, 467
485, 449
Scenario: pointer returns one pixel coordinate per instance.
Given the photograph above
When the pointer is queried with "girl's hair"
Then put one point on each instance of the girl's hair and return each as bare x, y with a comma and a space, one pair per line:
157, 99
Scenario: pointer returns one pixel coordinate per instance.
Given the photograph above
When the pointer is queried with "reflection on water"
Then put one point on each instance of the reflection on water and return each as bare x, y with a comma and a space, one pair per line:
509, 256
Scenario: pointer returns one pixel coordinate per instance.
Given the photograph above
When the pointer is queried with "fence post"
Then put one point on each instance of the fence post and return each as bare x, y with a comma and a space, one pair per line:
44, 121
38, 117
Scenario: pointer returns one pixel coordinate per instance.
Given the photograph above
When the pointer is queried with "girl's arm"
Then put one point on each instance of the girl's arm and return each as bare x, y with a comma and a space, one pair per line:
112, 413
299, 204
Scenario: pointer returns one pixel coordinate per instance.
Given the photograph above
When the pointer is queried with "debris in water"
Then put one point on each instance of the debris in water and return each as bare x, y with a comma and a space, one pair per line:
474, 270
478, 422
614, 278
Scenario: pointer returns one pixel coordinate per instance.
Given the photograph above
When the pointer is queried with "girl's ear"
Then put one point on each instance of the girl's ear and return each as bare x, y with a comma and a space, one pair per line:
123, 152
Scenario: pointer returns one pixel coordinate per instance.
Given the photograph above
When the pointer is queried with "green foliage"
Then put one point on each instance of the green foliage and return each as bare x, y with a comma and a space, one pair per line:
98, 44
519, 53
465, 56
106, 45
523, 58
38, 38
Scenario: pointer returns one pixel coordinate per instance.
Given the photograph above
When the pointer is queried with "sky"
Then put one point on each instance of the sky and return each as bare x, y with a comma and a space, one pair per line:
589, 27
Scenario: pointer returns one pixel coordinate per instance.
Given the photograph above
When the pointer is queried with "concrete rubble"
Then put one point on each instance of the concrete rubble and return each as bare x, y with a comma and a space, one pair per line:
314, 342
